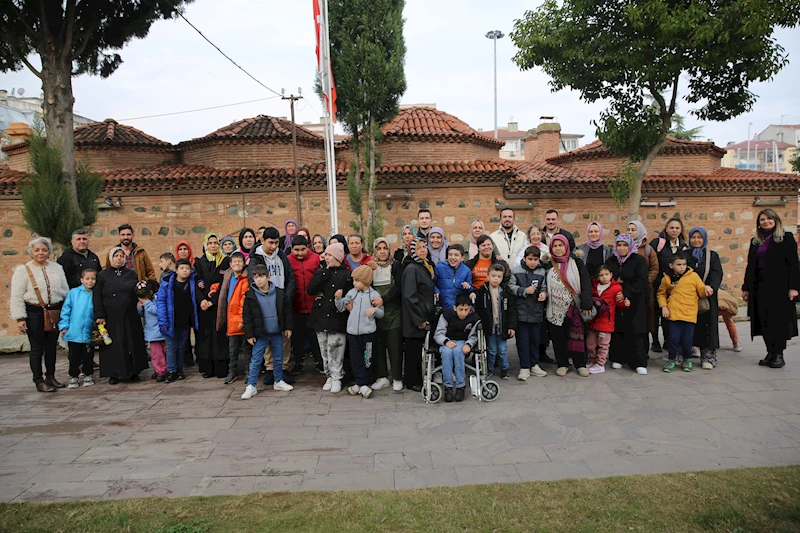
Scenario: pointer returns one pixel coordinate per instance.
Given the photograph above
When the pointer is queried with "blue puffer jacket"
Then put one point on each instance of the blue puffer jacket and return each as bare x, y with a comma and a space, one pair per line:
165, 304
149, 312
77, 316
447, 282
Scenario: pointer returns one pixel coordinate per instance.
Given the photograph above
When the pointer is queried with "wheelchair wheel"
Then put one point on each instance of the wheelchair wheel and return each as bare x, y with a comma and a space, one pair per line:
490, 391
432, 393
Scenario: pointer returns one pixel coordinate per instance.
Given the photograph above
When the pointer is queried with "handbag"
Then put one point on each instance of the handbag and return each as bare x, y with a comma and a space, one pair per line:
51, 316
703, 305
576, 300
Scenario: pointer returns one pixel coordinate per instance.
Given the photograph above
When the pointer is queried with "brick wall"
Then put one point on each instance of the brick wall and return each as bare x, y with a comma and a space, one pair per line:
19, 161
402, 152
116, 158
671, 164
271, 155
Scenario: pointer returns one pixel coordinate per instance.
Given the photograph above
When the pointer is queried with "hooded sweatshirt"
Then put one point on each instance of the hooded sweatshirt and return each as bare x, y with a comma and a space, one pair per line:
358, 323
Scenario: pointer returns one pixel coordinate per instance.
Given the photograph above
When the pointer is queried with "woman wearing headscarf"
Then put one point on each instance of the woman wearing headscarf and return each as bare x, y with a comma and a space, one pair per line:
318, 244
247, 243
305, 232
567, 279
183, 250
437, 245
771, 284
418, 310
593, 252
290, 229
27, 309
228, 246
629, 340
638, 233
407, 236
386, 279
475, 230
707, 265
338, 237
115, 302
212, 345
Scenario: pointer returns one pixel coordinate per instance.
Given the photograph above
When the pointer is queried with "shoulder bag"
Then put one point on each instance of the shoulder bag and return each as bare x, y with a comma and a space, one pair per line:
703, 305
51, 316
576, 299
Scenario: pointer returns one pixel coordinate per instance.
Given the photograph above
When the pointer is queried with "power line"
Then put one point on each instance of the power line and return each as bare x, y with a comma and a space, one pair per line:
200, 109
227, 56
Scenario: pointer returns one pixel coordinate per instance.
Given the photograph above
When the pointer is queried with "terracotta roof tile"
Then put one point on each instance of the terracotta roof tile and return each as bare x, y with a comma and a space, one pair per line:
673, 146
260, 128
426, 124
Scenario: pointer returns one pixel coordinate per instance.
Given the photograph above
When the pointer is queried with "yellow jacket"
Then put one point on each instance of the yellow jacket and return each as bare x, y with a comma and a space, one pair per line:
681, 299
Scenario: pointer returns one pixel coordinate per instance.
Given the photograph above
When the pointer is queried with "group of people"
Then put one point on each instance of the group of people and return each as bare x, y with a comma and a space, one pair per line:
260, 303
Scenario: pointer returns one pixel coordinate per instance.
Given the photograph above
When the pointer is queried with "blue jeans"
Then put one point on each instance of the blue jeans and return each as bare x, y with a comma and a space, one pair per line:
453, 359
680, 334
275, 342
528, 343
176, 349
496, 346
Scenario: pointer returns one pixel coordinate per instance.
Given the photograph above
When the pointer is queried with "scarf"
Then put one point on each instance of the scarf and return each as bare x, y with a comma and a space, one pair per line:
246, 251
697, 253
641, 233
191, 254
324, 241
340, 239
563, 261
424, 262
112, 252
594, 245
217, 258
223, 241
632, 249
287, 243
407, 249
438, 254
390, 260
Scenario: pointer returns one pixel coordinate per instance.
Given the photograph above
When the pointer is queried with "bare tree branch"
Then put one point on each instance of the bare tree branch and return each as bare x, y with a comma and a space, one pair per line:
674, 95
69, 30
31, 67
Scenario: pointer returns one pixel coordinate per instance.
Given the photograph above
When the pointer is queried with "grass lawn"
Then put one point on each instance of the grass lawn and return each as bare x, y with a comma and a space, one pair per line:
732, 501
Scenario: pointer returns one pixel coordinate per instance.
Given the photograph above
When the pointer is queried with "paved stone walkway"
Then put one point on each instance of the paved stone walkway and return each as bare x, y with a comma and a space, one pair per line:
197, 437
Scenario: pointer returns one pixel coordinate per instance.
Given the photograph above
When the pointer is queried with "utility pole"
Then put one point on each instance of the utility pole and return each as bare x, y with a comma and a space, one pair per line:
292, 99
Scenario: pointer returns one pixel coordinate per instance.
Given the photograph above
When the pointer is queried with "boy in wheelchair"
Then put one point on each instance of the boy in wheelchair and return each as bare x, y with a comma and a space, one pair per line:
456, 334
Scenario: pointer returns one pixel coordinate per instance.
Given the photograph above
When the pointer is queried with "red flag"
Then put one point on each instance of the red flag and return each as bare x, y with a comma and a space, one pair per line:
318, 26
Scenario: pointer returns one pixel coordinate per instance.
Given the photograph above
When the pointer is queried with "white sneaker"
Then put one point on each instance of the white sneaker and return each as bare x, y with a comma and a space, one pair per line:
561, 371
596, 369
737, 347
616, 366
524, 374
336, 386
437, 377
249, 392
328, 384
73, 383
353, 390
707, 366
695, 351
88, 381
380, 383
642, 371
282, 386
538, 372
397, 385
365, 391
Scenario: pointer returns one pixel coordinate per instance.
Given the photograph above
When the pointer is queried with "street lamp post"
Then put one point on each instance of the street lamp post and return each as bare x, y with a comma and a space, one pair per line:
748, 144
494, 35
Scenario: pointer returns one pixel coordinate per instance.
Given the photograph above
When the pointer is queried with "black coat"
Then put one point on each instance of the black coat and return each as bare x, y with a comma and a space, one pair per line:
507, 307
633, 275
114, 299
781, 272
706, 331
418, 300
253, 319
73, 264
211, 345
665, 257
325, 282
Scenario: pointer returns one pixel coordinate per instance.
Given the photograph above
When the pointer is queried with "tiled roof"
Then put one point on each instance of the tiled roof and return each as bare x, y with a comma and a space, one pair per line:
426, 124
759, 145
260, 128
673, 146
503, 133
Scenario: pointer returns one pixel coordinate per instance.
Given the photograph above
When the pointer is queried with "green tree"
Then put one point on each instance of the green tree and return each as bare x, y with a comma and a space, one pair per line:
795, 161
368, 58
47, 209
72, 37
622, 51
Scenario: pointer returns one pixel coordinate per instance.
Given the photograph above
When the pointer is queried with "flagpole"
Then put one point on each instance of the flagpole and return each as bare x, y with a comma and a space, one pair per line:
326, 77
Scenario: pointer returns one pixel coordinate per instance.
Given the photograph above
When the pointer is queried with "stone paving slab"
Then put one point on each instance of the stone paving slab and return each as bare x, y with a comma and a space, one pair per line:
197, 437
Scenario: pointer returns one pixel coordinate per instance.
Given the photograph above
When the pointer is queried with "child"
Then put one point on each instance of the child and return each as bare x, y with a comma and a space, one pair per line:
598, 336
361, 327
229, 314
678, 295
76, 323
152, 333
265, 317
456, 334
167, 265
531, 293
176, 304
498, 312
331, 326
452, 277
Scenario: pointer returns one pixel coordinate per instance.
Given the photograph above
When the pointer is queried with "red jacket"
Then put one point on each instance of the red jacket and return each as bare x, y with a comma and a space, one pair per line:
303, 270
605, 322
365, 258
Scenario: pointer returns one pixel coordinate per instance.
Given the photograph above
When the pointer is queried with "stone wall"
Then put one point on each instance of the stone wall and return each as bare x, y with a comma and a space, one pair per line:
401, 152
267, 154
112, 158
662, 165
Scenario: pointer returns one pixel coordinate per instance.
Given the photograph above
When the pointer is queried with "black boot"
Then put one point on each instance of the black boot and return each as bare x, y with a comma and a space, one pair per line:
767, 361
448, 394
460, 394
778, 362
656, 346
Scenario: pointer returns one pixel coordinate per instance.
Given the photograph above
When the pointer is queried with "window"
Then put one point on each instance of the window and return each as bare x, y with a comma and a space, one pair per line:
569, 144
511, 146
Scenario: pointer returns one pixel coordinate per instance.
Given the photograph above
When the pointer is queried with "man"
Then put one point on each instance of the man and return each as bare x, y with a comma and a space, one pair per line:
75, 259
425, 220
304, 263
551, 228
356, 257
260, 235
281, 275
508, 238
135, 258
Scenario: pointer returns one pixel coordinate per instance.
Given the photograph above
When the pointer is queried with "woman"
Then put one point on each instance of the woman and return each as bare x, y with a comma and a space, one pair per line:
305, 232
475, 230
407, 236
706, 330
418, 310
595, 253
115, 306
212, 345
290, 229
318, 244
771, 284
437, 245
228, 246
671, 241
247, 243
568, 278
535, 239
338, 237
629, 340
638, 233
28, 311
386, 279
183, 250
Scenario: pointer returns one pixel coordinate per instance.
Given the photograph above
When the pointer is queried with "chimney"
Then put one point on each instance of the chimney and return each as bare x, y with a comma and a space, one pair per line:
513, 127
18, 131
544, 141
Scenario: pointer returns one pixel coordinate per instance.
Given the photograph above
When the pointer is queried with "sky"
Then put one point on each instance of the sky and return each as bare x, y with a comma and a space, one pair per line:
449, 62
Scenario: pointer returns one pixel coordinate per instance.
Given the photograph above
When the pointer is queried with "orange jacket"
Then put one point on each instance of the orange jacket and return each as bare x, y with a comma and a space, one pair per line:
229, 311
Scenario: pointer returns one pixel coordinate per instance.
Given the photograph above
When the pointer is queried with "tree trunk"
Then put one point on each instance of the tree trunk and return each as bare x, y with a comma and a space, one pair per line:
635, 194
357, 177
371, 189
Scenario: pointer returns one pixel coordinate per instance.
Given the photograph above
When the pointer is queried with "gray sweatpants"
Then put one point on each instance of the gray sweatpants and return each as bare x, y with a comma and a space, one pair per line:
331, 347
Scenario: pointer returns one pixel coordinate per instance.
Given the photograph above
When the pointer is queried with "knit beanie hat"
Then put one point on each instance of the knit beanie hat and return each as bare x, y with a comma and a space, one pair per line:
363, 274
336, 250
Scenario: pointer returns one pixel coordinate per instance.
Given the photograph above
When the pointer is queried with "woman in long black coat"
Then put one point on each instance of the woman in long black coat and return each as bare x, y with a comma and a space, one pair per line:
114, 298
771, 284
418, 310
212, 345
706, 330
629, 341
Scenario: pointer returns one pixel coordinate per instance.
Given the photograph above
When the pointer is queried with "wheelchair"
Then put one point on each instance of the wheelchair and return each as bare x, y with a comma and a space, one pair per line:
475, 362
